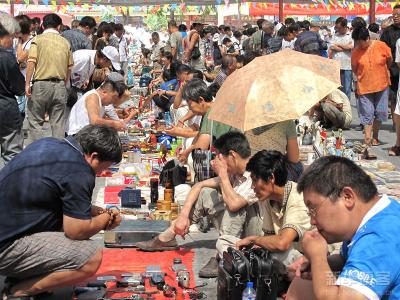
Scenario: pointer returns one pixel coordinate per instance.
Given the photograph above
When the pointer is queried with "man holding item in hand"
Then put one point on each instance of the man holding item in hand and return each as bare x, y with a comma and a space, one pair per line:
46, 215
227, 200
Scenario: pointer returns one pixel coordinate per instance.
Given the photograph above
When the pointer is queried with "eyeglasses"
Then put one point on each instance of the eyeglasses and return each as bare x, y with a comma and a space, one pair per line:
312, 212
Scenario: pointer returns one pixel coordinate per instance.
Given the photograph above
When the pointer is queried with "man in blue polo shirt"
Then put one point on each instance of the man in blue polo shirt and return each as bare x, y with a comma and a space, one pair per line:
344, 206
46, 216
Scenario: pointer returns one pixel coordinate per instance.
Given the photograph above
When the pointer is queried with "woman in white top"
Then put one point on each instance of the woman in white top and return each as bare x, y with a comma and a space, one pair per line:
90, 108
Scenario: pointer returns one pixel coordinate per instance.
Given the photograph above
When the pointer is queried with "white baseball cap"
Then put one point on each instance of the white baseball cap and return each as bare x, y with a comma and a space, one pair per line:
112, 54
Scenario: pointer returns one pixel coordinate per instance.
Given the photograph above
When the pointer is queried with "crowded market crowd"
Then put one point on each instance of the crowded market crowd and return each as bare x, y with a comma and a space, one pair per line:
77, 79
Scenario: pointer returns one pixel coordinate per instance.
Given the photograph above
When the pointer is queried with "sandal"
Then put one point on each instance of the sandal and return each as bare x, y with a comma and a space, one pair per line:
394, 151
6, 292
375, 142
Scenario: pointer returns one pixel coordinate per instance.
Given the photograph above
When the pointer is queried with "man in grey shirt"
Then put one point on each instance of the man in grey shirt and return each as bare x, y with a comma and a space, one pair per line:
174, 43
79, 37
156, 50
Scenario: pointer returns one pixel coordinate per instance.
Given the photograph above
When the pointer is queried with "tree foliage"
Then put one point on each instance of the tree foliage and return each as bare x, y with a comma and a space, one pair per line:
156, 21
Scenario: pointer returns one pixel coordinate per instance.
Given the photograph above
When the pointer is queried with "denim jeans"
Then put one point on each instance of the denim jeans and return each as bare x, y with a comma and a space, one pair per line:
21, 100
346, 77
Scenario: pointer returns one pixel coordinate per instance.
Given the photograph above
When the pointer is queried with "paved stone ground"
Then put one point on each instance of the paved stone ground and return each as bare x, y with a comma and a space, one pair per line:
204, 247
387, 136
204, 244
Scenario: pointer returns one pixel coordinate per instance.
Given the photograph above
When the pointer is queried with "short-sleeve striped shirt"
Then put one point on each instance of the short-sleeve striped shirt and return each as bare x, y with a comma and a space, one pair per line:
221, 77
291, 214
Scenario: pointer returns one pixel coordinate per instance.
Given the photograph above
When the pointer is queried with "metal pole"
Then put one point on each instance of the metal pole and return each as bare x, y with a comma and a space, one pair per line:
12, 8
372, 18
281, 11
239, 14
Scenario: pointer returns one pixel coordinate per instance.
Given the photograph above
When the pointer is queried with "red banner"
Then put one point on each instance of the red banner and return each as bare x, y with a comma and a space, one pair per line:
354, 9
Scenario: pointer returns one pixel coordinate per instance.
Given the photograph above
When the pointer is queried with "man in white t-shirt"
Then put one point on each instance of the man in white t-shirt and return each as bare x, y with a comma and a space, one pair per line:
123, 47
289, 35
90, 108
340, 50
230, 47
85, 62
229, 34
110, 110
186, 124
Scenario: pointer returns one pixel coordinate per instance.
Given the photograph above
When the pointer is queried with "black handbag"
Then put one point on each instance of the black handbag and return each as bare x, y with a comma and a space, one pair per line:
264, 274
196, 52
173, 171
236, 263
233, 275
239, 267
72, 96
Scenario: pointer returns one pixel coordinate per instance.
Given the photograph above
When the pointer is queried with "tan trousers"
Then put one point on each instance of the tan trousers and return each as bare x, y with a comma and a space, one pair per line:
245, 221
47, 97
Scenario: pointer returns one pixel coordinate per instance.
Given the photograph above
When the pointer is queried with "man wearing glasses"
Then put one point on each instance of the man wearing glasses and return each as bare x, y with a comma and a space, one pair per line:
344, 206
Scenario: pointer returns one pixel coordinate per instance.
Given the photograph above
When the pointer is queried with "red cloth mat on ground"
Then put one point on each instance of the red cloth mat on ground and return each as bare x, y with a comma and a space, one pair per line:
117, 261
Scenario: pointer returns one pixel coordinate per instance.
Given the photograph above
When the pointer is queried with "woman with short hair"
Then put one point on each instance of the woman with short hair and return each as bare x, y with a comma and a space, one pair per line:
370, 61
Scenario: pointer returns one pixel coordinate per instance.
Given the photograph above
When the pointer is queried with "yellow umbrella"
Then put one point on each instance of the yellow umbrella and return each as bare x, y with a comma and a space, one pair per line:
274, 88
